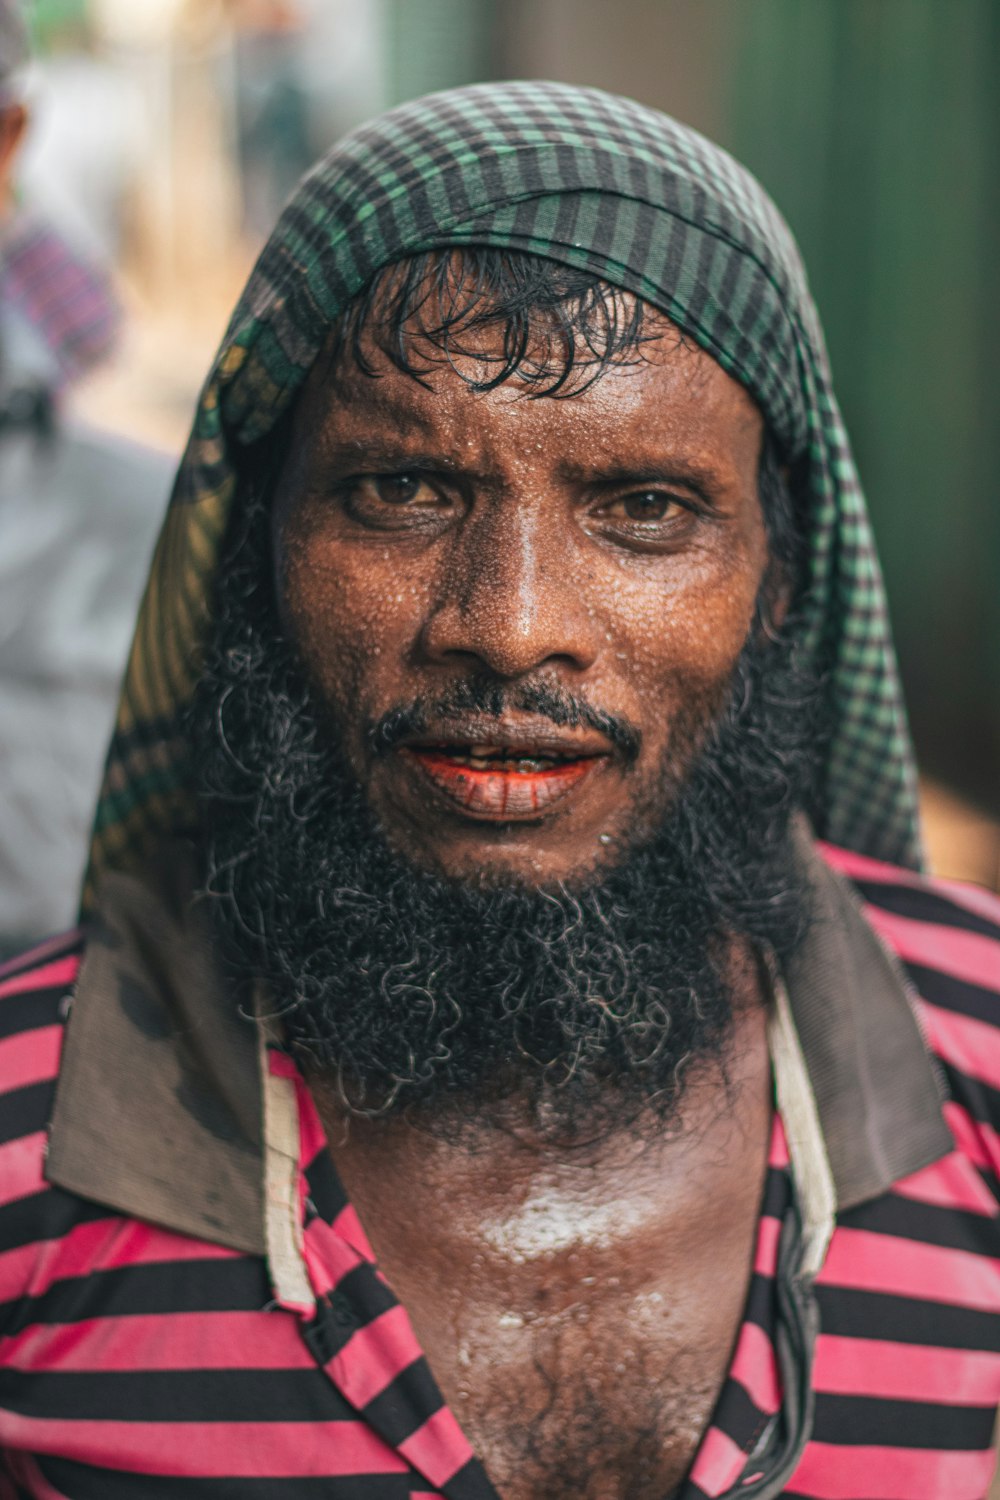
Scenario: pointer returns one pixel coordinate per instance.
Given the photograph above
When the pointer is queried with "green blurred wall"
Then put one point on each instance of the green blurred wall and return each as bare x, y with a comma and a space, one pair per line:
876, 126
437, 44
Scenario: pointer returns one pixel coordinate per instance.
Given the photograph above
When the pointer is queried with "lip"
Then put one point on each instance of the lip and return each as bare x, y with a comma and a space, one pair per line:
495, 795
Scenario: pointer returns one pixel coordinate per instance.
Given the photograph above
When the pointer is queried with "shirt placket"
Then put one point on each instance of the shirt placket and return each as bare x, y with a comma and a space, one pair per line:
723, 1468
353, 1324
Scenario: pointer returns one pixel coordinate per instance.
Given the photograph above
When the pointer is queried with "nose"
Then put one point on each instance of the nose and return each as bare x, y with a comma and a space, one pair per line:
510, 599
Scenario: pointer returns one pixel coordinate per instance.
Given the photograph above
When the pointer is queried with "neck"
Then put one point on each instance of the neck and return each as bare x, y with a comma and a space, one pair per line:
498, 1153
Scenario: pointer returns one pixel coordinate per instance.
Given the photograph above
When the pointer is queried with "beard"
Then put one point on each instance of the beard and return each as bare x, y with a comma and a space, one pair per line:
588, 1004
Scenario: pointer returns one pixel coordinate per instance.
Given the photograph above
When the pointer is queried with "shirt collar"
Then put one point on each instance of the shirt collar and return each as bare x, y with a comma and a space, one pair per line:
159, 1111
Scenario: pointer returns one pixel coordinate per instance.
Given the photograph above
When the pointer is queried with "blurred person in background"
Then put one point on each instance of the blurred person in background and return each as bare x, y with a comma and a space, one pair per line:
514, 1050
78, 516
272, 113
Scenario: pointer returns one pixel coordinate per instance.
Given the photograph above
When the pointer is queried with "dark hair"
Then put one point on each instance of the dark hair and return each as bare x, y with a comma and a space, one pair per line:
562, 327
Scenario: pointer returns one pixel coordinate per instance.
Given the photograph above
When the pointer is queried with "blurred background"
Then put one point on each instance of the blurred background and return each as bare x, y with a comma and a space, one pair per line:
164, 135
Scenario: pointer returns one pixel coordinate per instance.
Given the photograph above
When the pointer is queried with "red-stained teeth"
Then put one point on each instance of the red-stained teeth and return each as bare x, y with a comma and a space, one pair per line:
503, 759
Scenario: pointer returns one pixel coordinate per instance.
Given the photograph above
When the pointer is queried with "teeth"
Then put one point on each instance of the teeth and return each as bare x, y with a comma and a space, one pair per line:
493, 757
502, 757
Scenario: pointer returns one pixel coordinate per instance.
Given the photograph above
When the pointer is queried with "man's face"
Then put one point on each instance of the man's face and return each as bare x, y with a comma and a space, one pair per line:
523, 614
496, 803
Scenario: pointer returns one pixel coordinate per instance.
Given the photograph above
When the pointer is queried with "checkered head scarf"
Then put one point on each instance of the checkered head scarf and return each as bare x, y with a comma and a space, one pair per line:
595, 182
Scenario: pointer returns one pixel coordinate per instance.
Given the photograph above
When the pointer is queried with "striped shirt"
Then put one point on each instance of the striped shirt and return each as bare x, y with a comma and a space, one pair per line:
138, 1361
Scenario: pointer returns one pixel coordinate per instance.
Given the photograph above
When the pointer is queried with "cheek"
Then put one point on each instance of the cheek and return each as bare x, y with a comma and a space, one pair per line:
351, 617
680, 631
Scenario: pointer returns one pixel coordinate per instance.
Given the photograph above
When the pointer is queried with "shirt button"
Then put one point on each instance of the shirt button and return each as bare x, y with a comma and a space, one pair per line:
342, 1312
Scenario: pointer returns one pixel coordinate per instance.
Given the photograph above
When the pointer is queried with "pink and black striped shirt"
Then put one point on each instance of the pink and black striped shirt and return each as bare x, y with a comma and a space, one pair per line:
144, 1361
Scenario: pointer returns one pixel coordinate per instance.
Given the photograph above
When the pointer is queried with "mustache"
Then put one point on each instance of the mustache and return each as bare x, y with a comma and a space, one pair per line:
486, 695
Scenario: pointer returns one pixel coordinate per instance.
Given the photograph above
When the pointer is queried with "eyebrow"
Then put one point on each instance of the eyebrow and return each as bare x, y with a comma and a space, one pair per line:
393, 457
400, 409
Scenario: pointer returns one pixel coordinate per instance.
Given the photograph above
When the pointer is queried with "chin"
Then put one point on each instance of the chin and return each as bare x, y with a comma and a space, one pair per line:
510, 860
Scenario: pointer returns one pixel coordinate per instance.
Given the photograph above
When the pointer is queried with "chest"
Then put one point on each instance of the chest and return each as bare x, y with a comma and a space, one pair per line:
573, 1376
174, 1353
581, 1330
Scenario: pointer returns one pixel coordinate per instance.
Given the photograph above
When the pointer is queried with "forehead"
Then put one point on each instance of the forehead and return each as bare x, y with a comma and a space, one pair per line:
667, 394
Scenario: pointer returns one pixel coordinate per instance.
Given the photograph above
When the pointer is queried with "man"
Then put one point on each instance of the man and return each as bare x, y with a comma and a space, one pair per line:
477, 1081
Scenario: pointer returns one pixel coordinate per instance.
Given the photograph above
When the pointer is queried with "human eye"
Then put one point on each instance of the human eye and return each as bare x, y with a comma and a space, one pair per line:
393, 502
650, 517
647, 505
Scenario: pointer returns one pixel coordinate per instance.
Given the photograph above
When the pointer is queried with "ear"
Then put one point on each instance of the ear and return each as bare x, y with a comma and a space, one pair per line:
773, 600
13, 121
778, 584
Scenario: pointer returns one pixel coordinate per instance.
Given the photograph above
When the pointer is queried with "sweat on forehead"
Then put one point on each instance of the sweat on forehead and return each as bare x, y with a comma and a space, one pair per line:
497, 319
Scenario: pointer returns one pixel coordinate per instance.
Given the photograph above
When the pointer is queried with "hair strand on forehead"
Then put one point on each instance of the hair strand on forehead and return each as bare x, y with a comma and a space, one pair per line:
561, 327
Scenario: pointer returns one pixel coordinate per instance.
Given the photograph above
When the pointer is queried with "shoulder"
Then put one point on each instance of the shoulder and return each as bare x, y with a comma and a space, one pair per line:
933, 926
946, 935
40, 1224
35, 992
918, 897
34, 998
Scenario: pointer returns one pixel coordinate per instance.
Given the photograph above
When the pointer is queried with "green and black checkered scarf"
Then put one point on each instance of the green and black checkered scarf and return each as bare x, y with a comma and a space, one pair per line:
592, 181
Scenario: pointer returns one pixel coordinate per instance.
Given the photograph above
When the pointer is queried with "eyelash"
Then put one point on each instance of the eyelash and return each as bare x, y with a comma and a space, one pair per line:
354, 504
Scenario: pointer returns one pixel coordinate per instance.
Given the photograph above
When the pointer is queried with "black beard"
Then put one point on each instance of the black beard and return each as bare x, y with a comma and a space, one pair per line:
593, 1003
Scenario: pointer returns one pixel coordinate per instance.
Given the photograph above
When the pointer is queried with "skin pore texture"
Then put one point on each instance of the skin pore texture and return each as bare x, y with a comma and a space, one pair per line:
567, 541
521, 620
